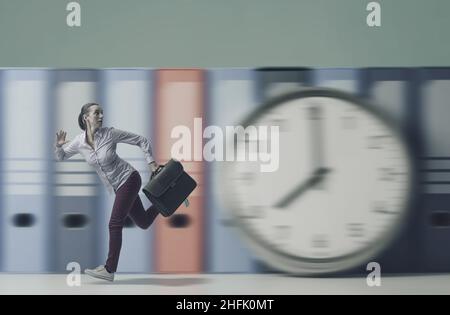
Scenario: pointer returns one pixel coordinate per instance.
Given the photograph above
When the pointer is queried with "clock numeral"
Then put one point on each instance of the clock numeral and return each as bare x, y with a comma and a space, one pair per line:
254, 212
282, 124
264, 145
381, 207
249, 144
355, 230
248, 140
377, 142
320, 241
246, 178
255, 145
387, 174
314, 112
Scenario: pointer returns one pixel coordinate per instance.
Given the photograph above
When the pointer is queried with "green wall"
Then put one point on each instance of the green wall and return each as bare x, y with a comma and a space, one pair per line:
224, 33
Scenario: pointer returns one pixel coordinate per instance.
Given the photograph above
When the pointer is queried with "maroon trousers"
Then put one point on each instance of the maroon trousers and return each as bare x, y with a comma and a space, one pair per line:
127, 203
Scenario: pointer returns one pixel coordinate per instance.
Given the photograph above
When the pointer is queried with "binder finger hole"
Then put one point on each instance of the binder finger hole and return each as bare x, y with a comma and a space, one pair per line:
75, 221
179, 221
440, 219
23, 220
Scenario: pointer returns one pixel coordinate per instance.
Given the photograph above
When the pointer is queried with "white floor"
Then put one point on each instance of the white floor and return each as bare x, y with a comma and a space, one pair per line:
207, 284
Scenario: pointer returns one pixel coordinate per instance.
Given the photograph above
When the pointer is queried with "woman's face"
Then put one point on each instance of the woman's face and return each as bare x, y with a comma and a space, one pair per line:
95, 116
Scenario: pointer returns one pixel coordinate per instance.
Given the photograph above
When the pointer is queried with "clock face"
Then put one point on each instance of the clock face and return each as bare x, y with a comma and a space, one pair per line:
341, 190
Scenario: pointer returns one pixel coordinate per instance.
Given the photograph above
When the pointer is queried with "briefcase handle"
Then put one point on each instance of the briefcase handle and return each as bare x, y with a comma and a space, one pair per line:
157, 171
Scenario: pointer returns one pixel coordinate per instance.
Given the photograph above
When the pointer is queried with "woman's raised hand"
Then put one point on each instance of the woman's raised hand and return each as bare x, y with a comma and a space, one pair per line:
61, 138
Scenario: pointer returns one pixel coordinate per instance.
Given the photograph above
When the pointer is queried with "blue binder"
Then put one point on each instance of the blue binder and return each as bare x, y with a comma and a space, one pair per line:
230, 99
25, 199
76, 201
272, 82
434, 221
127, 99
346, 80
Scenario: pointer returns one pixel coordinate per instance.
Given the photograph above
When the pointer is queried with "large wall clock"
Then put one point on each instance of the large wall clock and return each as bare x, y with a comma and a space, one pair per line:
342, 190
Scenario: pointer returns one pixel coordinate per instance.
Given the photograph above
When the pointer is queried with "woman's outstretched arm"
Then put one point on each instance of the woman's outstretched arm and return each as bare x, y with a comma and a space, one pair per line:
65, 153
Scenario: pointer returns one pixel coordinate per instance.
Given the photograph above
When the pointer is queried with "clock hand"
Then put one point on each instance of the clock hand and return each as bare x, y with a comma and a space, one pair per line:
317, 177
316, 132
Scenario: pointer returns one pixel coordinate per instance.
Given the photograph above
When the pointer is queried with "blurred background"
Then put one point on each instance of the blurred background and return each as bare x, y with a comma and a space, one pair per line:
55, 213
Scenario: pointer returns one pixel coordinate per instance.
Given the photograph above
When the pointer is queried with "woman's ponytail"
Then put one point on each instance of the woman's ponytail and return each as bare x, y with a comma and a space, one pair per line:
84, 110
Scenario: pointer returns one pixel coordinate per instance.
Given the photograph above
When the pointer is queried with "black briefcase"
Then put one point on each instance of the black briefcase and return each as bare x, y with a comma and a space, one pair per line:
169, 187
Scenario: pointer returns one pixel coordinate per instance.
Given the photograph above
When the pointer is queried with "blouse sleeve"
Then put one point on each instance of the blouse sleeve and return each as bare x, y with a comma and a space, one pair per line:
120, 136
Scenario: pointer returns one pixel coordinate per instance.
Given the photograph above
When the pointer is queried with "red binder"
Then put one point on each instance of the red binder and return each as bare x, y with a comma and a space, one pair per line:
179, 98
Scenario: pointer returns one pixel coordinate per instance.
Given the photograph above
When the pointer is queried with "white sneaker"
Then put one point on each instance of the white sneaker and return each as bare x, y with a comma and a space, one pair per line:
101, 273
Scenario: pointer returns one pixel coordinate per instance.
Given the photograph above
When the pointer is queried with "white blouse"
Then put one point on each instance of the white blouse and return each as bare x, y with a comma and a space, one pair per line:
112, 170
